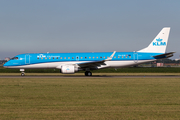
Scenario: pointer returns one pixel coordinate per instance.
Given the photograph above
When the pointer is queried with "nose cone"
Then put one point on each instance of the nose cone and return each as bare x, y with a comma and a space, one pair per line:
6, 65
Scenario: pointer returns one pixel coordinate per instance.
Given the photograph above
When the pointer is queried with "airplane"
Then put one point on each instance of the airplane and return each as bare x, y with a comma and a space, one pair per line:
69, 63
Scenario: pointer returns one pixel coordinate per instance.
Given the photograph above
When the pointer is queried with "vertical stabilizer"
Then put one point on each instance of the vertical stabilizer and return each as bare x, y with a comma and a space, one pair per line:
159, 44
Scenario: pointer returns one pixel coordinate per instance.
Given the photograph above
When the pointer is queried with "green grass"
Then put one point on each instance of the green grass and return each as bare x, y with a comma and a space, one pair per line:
90, 98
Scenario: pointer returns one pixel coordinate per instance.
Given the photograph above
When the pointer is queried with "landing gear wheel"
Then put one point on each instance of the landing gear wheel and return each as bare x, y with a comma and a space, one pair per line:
85, 73
22, 74
88, 73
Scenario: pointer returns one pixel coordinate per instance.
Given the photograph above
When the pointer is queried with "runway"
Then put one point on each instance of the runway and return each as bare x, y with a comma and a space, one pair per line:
95, 76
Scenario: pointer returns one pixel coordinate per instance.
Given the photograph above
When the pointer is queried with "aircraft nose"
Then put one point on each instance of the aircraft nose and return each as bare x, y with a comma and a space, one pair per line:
5, 65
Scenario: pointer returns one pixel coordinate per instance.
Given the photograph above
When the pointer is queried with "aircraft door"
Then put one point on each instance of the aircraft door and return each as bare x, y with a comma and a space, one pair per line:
27, 59
135, 57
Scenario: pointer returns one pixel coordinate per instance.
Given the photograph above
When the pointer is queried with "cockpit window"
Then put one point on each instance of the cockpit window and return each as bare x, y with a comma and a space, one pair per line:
14, 58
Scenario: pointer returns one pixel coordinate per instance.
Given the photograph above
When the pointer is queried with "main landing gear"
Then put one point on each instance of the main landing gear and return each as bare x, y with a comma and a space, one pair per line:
88, 73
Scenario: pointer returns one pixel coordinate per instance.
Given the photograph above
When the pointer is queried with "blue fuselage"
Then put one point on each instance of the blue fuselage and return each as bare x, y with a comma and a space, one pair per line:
41, 58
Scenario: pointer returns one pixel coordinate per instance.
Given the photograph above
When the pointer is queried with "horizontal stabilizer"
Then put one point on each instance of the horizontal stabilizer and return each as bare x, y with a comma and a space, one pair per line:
166, 55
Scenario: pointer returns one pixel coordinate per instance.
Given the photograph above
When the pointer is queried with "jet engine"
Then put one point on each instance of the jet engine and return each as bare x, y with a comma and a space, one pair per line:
68, 69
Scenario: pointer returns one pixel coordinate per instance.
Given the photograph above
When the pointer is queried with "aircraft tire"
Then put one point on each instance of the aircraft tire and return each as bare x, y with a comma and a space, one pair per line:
22, 74
88, 73
85, 73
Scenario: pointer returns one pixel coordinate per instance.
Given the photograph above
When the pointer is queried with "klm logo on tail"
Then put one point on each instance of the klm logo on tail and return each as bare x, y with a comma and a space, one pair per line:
159, 43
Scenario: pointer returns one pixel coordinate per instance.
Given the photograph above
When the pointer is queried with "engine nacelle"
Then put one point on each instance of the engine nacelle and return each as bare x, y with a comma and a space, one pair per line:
68, 69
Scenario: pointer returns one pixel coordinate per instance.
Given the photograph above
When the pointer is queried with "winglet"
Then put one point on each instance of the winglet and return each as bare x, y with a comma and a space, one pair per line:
110, 58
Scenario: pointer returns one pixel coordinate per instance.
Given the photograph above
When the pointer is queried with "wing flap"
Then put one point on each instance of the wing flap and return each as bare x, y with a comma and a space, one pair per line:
91, 64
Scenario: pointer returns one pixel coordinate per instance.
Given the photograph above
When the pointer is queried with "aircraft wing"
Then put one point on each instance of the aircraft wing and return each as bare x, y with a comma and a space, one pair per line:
95, 63
166, 55
91, 64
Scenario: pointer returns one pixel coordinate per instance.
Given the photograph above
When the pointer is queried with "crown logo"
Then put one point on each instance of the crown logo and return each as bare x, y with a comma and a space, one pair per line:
159, 40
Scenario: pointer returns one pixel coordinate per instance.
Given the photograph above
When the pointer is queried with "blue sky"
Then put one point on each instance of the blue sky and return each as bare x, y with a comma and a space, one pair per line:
85, 25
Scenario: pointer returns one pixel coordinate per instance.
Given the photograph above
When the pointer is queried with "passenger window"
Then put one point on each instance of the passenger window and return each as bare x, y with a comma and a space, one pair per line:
57, 58
45, 58
100, 57
49, 57
122, 56
64, 57
103, 57
81, 58
114, 56
85, 57
53, 57
89, 57
96, 57
61, 57
72, 57
37, 58
41, 58
93, 57
118, 57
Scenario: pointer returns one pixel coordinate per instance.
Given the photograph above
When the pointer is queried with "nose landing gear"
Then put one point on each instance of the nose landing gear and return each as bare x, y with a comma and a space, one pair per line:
22, 72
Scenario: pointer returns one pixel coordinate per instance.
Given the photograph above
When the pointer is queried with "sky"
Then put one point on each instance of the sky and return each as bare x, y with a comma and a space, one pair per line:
58, 26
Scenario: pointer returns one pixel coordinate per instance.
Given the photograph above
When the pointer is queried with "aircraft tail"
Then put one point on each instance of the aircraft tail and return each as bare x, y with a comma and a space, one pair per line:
159, 44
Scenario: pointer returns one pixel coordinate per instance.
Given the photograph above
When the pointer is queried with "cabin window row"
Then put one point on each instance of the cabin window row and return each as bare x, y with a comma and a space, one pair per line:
82, 57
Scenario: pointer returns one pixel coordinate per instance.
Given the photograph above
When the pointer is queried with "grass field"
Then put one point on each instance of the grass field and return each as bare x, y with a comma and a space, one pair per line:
87, 98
